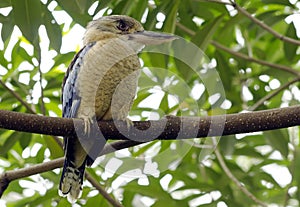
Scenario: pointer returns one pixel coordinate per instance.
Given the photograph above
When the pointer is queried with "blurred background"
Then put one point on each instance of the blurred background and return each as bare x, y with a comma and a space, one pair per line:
257, 70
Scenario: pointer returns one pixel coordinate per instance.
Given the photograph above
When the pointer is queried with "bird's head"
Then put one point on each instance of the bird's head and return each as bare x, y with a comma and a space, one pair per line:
124, 27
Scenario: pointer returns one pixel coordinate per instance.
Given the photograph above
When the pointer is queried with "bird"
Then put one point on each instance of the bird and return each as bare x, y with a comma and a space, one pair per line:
100, 84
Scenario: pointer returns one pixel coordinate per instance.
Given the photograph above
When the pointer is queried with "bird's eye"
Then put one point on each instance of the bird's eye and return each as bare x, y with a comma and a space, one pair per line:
122, 26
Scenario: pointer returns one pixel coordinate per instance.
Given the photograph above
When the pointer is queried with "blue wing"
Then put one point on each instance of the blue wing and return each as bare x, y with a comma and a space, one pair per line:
72, 176
70, 95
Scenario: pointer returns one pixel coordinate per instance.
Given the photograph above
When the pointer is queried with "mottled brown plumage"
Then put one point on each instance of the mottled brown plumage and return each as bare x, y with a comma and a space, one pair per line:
100, 84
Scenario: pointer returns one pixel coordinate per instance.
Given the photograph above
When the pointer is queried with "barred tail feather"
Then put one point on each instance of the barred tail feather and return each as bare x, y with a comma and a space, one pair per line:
71, 181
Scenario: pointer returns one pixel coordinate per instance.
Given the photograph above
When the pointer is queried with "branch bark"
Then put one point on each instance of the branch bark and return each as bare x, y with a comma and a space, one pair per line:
168, 128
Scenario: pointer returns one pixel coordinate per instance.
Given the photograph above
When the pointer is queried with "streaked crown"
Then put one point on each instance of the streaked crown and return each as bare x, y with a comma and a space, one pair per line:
111, 27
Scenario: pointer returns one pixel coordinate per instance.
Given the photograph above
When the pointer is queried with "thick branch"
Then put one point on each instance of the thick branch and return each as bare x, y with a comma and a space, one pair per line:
207, 126
168, 128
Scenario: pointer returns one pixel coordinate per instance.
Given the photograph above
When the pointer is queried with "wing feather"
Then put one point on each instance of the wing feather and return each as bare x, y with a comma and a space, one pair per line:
70, 94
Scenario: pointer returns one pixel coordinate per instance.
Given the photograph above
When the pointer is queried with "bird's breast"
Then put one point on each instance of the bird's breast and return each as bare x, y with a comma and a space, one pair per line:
104, 67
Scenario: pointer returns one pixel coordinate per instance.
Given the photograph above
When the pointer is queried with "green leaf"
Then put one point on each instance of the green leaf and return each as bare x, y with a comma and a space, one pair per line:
203, 36
278, 139
25, 140
3, 61
226, 144
102, 4
296, 168
153, 190
9, 143
7, 26
76, 10
289, 48
27, 16
225, 71
97, 199
123, 7
54, 147
53, 30
63, 59
280, 2
18, 55
164, 104
171, 18
143, 149
5, 3
151, 18
139, 10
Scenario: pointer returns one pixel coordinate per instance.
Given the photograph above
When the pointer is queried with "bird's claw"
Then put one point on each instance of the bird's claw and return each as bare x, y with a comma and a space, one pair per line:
129, 123
87, 125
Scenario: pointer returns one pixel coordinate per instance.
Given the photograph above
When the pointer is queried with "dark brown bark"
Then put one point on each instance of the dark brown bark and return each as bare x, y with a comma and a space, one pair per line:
168, 128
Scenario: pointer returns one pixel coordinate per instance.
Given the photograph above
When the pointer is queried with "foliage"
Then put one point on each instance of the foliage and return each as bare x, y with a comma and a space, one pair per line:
170, 173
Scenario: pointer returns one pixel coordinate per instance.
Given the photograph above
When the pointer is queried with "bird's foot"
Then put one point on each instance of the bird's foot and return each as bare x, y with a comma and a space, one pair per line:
88, 122
129, 123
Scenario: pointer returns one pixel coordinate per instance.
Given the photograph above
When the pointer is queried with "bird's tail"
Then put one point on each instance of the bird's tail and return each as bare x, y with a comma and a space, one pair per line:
71, 181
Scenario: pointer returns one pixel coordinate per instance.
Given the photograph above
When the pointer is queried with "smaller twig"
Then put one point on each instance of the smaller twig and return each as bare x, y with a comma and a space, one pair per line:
240, 55
43, 108
274, 93
236, 181
263, 25
9, 176
27, 106
258, 61
186, 29
292, 167
18, 97
12, 175
118, 145
102, 191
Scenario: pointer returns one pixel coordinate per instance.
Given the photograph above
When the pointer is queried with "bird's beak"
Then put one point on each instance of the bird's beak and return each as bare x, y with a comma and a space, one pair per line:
151, 38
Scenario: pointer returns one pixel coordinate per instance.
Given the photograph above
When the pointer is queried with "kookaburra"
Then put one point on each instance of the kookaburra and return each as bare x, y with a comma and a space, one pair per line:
108, 58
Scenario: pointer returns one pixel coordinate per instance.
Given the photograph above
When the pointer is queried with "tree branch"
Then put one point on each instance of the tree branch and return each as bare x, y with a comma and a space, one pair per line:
43, 108
170, 127
235, 180
18, 97
102, 192
194, 127
258, 61
257, 21
12, 175
263, 25
273, 93
241, 55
